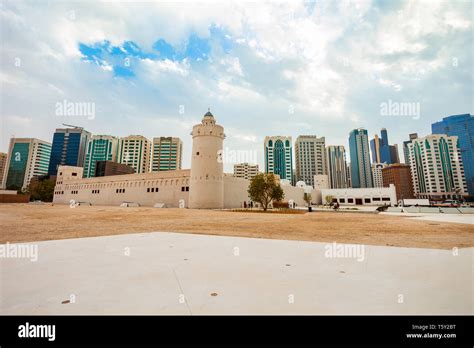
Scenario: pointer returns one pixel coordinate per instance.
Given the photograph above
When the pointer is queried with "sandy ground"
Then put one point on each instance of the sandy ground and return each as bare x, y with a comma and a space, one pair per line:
26, 223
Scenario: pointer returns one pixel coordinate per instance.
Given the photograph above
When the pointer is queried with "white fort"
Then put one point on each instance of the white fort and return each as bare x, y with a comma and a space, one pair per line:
204, 186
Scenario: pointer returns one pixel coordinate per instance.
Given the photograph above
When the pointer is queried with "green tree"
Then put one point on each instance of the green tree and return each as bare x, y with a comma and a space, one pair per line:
41, 190
329, 199
264, 188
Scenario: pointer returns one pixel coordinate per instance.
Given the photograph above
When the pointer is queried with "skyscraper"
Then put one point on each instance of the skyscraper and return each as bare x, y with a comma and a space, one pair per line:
336, 165
348, 176
278, 156
436, 167
382, 151
361, 175
99, 148
461, 126
400, 176
135, 150
69, 148
377, 173
394, 157
375, 149
166, 154
27, 157
310, 158
406, 153
245, 170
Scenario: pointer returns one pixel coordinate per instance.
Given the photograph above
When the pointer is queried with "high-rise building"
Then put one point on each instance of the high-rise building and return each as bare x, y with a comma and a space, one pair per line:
166, 154
406, 153
375, 149
382, 151
436, 167
461, 126
394, 156
135, 151
348, 176
245, 170
3, 165
99, 148
69, 148
279, 156
310, 158
361, 174
336, 165
293, 177
377, 173
27, 157
400, 176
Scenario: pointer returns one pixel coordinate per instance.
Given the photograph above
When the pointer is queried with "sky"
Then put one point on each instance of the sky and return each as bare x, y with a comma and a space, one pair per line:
263, 68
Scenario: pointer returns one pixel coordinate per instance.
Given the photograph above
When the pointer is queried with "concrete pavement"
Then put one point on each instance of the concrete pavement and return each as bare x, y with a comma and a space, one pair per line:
456, 218
175, 273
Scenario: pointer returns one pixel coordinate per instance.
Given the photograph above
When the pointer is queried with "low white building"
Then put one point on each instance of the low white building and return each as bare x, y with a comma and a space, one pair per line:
204, 186
170, 188
321, 182
362, 196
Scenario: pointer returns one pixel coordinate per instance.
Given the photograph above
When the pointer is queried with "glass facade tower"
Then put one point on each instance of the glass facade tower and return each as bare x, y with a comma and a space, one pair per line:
461, 126
361, 173
69, 148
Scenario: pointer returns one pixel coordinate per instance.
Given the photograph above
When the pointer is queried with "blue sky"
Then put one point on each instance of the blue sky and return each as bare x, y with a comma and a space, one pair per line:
264, 68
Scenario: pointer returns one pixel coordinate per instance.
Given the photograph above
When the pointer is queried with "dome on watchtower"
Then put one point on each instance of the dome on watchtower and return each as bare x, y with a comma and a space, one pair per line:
208, 118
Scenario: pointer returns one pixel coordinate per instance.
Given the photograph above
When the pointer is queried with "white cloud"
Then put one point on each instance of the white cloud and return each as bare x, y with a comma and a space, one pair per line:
333, 64
232, 65
19, 121
154, 67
